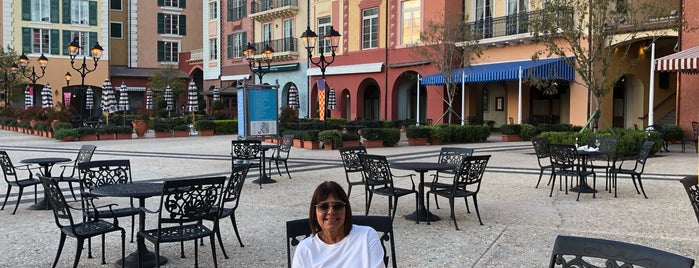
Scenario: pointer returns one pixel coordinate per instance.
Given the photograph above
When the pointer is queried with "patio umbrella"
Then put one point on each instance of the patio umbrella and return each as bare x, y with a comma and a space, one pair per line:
293, 101
90, 99
28, 98
108, 99
46, 97
169, 99
331, 99
123, 100
149, 100
192, 99
217, 94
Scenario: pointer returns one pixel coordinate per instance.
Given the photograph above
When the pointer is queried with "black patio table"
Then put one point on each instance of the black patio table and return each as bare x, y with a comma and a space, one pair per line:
46, 163
584, 154
264, 178
141, 191
422, 167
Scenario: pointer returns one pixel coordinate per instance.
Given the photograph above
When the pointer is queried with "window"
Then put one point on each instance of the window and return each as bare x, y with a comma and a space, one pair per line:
517, 17
370, 28
288, 34
168, 51
115, 30
171, 24
79, 12
115, 4
213, 11
213, 49
484, 19
238, 44
172, 3
40, 10
40, 41
236, 9
37, 41
323, 28
266, 33
84, 41
411, 22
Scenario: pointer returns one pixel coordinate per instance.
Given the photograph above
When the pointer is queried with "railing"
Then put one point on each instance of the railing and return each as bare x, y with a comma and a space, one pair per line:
264, 5
279, 45
671, 97
514, 24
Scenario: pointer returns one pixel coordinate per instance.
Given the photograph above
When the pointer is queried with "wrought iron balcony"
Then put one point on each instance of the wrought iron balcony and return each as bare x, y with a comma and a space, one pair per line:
263, 10
511, 25
284, 49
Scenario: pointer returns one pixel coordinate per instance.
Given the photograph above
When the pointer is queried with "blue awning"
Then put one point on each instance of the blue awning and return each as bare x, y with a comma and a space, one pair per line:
551, 68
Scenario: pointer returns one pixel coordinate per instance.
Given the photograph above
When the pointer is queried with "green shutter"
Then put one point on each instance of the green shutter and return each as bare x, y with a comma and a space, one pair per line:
92, 7
229, 14
26, 10
93, 39
161, 23
183, 3
66, 11
245, 9
183, 25
67, 38
55, 40
161, 3
229, 46
245, 39
26, 40
54, 11
161, 51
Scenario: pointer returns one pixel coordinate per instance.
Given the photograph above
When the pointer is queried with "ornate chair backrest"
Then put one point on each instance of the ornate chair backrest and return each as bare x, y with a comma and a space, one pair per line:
84, 155
563, 156
690, 185
8, 169
608, 146
541, 147
570, 251
245, 149
234, 186
186, 201
382, 225
376, 169
470, 172
57, 202
104, 172
453, 156
643, 154
350, 158
695, 128
285, 146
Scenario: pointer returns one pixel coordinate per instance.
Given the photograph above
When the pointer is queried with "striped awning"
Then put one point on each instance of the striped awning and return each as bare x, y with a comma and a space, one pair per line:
551, 68
686, 61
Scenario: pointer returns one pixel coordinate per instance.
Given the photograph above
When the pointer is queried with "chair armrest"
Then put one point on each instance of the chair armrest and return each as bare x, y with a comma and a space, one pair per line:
404, 176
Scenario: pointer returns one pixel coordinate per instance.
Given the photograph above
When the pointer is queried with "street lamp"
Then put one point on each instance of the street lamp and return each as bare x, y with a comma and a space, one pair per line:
83, 70
308, 38
24, 62
6, 81
68, 77
250, 52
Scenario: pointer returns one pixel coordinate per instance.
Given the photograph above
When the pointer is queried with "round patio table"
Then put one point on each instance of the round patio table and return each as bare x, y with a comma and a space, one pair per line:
264, 178
46, 163
422, 167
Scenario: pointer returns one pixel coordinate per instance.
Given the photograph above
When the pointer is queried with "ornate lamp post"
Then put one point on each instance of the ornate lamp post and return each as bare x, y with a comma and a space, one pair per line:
257, 69
8, 79
309, 38
33, 76
96, 53
68, 77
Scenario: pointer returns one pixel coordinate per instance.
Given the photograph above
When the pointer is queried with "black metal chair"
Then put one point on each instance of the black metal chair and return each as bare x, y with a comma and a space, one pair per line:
636, 171
351, 163
71, 176
467, 182
543, 157
183, 207
281, 154
246, 152
300, 228
447, 155
695, 131
94, 174
230, 197
379, 180
692, 189
571, 251
70, 227
607, 159
12, 178
566, 162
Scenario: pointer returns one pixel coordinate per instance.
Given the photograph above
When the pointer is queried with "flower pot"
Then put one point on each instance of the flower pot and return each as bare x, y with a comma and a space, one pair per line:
350, 143
140, 127
105, 136
373, 143
417, 141
68, 138
328, 145
124, 136
181, 133
508, 137
163, 134
209, 132
298, 143
88, 137
311, 145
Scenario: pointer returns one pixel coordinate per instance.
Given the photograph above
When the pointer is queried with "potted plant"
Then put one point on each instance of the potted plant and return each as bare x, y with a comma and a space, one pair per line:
205, 127
162, 129
140, 126
66, 134
673, 133
418, 135
180, 130
87, 134
106, 132
310, 140
373, 137
298, 139
330, 138
350, 139
123, 132
510, 132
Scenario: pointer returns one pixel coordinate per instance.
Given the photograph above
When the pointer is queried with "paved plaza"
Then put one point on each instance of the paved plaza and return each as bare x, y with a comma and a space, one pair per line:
520, 221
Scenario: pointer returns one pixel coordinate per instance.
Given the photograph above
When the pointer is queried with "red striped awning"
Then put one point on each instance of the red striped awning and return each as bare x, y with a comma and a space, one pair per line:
686, 61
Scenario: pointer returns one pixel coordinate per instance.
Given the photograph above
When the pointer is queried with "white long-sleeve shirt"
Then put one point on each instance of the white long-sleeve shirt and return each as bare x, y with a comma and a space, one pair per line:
360, 248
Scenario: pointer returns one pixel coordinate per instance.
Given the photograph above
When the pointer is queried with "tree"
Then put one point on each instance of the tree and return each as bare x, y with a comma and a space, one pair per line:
162, 79
448, 44
596, 37
11, 84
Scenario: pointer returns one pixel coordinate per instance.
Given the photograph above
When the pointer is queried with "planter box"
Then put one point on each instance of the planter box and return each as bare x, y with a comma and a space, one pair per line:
373, 143
328, 146
350, 143
181, 133
166, 134
417, 141
298, 143
508, 138
209, 132
88, 137
311, 145
68, 138
106, 136
124, 136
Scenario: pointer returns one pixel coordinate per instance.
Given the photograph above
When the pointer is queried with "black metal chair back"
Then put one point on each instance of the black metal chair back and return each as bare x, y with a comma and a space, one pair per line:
566, 163
104, 172
376, 170
230, 197
245, 152
300, 228
378, 179
642, 156
453, 156
84, 155
352, 164
8, 169
470, 173
692, 189
9, 172
570, 251
281, 154
543, 156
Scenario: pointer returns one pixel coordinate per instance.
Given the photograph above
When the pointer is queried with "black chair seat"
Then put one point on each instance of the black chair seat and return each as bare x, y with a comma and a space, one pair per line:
90, 228
393, 191
574, 173
451, 192
177, 233
25, 182
115, 213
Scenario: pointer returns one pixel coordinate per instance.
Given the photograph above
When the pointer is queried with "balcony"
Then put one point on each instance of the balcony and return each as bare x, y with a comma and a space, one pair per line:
508, 30
196, 56
284, 49
265, 10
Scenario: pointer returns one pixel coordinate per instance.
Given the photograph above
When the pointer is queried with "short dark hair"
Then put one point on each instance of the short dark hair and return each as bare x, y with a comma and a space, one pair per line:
322, 192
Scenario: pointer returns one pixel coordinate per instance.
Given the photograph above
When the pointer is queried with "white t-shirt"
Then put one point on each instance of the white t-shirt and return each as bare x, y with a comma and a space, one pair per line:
361, 248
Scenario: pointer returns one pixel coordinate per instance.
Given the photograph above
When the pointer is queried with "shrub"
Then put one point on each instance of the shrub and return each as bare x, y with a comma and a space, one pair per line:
61, 125
288, 114
334, 136
205, 125
673, 132
372, 133
180, 127
40, 126
418, 132
86, 131
527, 131
311, 135
65, 132
390, 136
510, 129
161, 126
227, 126
350, 137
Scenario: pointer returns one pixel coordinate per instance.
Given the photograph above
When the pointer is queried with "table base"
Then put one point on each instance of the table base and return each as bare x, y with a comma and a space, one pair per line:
147, 261
264, 180
41, 204
422, 215
583, 188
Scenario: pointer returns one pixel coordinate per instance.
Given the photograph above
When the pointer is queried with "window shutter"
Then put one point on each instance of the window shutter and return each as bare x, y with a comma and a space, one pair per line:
161, 23
229, 10
244, 41
245, 9
229, 46
26, 40
54, 11
55, 40
67, 38
93, 39
161, 51
183, 25
66, 11
26, 10
183, 3
92, 7
161, 3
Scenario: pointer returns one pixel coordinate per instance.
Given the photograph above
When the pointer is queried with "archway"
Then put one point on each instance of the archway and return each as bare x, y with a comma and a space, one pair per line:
345, 104
371, 100
405, 98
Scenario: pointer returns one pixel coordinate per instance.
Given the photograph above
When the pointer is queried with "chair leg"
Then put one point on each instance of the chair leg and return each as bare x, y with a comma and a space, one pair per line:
436, 202
213, 250
72, 192
19, 197
103, 261
123, 243
196, 254
633, 179
641, 184
541, 174
133, 221
478, 213
579, 187
89, 248
61, 242
287, 170
368, 204
6, 196
235, 228
78, 250
453, 215
467, 209
428, 208
553, 184
220, 241
276, 163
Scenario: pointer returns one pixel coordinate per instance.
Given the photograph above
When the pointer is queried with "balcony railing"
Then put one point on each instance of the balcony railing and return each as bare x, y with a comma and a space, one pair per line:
287, 44
264, 5
514, 24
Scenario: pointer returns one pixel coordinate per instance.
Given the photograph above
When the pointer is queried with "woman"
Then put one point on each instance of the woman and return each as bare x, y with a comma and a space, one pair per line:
335, 241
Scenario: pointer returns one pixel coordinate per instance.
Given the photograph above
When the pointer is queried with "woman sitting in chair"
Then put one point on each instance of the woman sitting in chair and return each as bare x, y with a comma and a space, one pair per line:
335, 241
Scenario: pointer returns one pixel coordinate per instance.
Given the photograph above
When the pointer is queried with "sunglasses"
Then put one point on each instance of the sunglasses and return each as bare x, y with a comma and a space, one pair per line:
324, 207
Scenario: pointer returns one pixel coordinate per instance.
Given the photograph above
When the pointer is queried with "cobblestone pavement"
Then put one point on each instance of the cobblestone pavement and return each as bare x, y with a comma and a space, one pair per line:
521, 222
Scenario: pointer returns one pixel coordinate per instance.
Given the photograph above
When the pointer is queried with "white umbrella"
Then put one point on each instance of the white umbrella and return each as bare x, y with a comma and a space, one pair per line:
28, 98
123, 98
108, 99
169, 99
46, 97
331, 99
149, 100
293, 97
90, 99
192, 98
217, 94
